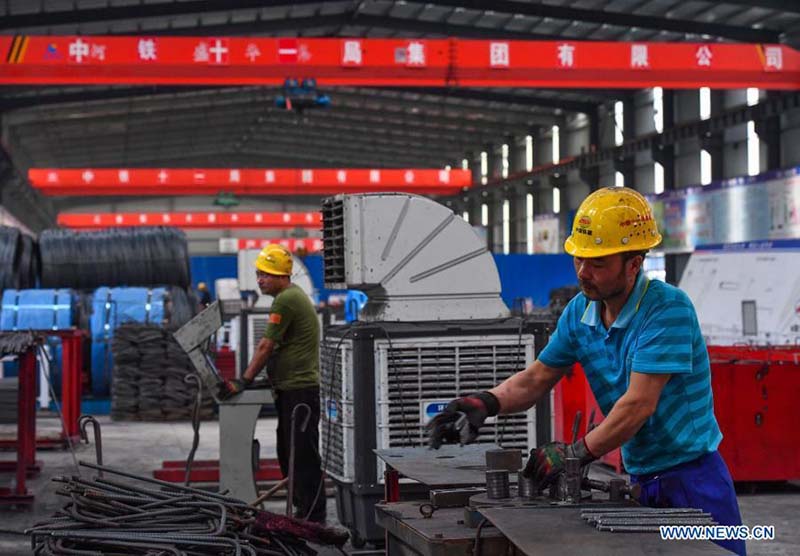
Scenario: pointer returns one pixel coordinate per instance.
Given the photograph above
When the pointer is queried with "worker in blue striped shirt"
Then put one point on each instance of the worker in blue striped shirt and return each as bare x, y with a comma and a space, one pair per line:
640, 345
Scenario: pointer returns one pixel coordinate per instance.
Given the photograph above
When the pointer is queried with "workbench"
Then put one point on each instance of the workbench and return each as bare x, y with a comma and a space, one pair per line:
519, 532
512, 527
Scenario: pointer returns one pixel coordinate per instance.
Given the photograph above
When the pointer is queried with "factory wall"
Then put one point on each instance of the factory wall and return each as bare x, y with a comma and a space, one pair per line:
790, 138
686, 108
520, 275
210, 268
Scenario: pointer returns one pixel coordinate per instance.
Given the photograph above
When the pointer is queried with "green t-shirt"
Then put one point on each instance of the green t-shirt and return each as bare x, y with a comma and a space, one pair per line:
294, 328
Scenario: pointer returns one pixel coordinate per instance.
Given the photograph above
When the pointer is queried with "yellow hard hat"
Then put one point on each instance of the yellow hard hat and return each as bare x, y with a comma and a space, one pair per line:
201, 286
612, 220
275, 259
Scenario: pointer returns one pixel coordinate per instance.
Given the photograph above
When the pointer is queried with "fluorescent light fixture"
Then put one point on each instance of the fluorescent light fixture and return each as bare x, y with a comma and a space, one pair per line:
753, 150
556, 145
658, 178
529, 223
705, 167
506, 227
658, 109
528, 153
705, 103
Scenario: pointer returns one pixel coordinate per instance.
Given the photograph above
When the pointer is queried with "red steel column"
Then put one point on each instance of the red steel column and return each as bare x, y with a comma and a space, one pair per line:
26, 426
71, 363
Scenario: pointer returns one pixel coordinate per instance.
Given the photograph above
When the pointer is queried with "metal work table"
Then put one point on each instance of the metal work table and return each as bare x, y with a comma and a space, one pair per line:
451, 465
407, 532
518, 531
561, 530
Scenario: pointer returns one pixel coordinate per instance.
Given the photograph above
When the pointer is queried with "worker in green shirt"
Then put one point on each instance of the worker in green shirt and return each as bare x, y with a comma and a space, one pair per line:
290, 349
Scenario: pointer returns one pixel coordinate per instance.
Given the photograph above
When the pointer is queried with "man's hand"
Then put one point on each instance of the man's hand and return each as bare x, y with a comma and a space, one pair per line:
547, 462
461, 419
230, 388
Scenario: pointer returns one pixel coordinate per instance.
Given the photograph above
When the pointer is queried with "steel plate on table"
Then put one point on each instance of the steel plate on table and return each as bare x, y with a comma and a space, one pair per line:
449, 465
562, 531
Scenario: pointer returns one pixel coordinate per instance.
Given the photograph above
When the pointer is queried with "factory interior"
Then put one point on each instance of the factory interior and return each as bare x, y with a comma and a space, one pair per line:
367, 277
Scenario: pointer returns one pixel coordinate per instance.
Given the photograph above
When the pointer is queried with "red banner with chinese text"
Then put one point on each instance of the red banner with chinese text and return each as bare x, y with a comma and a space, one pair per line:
246, 181
192, 220
309, 245
394, 62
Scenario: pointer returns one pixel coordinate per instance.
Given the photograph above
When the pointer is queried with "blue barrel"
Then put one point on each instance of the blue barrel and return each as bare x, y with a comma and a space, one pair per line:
112, 307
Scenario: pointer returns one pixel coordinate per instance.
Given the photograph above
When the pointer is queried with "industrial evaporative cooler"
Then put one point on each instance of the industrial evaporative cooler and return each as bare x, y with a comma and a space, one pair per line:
434, 328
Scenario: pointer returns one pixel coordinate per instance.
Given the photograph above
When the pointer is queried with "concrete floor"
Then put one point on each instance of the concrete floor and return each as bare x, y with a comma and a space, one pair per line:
141, 447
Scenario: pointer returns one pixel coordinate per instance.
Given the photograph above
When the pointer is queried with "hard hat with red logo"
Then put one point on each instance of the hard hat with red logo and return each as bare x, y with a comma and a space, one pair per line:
612, 220
275, 259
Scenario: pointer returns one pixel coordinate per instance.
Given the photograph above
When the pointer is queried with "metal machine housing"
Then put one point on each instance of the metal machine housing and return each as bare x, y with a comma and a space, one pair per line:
377, 378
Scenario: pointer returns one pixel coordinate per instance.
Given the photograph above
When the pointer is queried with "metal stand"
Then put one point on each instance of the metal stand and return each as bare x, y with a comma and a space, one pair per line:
26, 433
237, 416
71, 385
237, 426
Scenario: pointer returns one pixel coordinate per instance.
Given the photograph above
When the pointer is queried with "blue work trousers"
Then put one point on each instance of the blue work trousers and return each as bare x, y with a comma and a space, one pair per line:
703, 483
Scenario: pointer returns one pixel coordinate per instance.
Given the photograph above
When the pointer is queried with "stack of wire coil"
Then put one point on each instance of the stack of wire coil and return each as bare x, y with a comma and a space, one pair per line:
114, 257
19, 259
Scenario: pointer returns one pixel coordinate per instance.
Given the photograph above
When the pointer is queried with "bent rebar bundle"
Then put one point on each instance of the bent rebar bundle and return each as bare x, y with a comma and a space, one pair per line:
137, 515
114, 257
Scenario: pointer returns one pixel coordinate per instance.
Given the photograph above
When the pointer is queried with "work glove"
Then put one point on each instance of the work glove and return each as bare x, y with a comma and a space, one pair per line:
230, 388
547, 462
461, 419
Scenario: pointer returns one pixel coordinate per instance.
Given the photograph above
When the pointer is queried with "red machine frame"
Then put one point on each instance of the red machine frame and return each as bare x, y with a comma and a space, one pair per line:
755, 399
71, 386
25, 465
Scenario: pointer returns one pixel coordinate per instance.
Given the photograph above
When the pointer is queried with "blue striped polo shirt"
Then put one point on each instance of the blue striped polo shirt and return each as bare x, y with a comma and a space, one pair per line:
656, 332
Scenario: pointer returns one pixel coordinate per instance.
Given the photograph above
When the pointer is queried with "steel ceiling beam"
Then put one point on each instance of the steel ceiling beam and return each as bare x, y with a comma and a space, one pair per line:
264, 27
508, 98
777, 5
507, 117
402, 98
46, 98
75, 15
619, 19
328, 150
456, 130
341, 158
357, 142
230, 127
442, 28
352, 19
52, 18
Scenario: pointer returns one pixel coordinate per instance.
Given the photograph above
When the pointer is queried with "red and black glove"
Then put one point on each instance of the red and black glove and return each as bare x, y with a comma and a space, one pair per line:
230, 388
547, 462
461, 419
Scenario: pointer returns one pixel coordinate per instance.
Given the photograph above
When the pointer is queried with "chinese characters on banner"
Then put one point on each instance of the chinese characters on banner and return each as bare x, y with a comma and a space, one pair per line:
198, 181
200, 220
393, 62
308, 245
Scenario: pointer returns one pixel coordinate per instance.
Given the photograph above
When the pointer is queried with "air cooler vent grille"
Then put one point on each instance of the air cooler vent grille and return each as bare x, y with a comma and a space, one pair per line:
333, 242
444, 371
